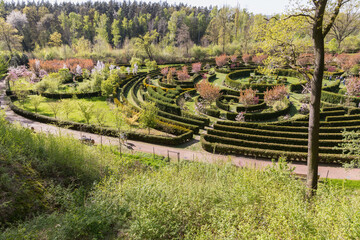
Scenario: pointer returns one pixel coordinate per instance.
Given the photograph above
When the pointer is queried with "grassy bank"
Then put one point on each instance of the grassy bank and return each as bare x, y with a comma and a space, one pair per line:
87, 193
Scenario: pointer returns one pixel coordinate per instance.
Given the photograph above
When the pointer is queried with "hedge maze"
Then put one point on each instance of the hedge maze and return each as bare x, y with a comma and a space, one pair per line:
228, 125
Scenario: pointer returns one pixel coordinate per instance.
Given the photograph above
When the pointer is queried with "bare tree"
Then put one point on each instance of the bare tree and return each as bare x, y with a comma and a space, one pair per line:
346, 23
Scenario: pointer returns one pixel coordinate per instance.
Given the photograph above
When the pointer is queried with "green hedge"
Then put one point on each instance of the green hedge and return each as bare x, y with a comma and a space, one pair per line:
196, 117
270, 139
164, 106
342, 118
182, 119
158, 96
262, 116
276, 132
266, 145
337, 98
267, 153
333, 87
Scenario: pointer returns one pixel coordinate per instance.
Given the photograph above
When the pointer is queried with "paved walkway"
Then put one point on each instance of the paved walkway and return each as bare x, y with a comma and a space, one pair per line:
329, 171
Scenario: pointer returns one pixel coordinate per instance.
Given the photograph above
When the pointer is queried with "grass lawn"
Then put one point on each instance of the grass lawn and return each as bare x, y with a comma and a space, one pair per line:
76, 114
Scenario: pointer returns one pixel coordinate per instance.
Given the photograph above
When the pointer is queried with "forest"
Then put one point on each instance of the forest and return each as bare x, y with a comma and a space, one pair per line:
118, 31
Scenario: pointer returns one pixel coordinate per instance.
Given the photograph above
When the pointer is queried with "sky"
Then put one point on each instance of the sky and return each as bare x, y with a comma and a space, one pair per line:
267, 7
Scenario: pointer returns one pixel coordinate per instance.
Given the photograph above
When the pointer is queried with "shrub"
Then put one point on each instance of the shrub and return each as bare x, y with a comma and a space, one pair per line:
208, 91
277, 93
248, 97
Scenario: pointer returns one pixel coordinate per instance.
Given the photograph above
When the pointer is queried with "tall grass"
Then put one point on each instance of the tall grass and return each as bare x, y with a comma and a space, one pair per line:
135, 197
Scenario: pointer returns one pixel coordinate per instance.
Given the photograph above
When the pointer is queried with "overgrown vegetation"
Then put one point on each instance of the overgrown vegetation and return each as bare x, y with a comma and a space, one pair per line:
84, 193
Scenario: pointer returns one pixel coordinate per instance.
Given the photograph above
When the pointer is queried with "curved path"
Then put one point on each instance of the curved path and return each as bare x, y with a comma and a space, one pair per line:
325, 171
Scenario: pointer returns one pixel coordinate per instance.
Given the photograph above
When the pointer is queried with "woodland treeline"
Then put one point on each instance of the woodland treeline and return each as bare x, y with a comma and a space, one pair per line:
158, 31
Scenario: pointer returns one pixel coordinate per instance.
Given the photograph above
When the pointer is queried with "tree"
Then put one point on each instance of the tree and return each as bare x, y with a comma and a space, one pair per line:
55, 39
115, 31
36, 100
321, 14
55, 107
67, 107
148, 116
100, 115
86, 109
145, 42
346, 23
248, 97
9, 35
208, 91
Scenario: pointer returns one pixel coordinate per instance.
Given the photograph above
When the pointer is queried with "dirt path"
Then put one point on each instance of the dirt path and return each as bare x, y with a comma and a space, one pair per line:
330, 171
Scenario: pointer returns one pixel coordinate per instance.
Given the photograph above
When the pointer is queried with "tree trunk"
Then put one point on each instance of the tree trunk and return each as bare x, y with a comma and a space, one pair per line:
314, 117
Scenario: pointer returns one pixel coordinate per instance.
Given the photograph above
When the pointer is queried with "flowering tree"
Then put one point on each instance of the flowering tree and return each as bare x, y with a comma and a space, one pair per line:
248, 97
246, 58
55, 65
275, 94
164, 71
353, 86
172, 71
183, 74
259, 59
196, 67
221, 60
14, 73
240, 117
208, 91
233, 58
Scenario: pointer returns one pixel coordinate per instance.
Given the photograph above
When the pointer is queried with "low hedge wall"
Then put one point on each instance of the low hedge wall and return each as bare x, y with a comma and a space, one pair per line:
158, 96
260, 116
342, 118
170, 141
267, 153
333, 87
337, 98
251, 108
182, 119
270, 139
267, 145
196, 117
164, 106
276, 133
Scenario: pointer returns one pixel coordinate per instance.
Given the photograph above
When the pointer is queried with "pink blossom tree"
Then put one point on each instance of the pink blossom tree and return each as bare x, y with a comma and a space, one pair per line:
196, 67
221, 60
277, 93
246, 58
353, 86
248, 97
183, 74
233, 58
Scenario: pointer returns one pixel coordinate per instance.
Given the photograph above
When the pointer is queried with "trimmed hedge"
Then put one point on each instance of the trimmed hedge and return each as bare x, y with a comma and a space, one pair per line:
276, 132
267, 153
337, 98
70, 95
267, 145
158, 96
196, 117
270, 139
164, 106
334, 87
260, 116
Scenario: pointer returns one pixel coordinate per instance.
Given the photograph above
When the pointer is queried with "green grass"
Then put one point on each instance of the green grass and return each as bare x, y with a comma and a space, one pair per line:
93, 193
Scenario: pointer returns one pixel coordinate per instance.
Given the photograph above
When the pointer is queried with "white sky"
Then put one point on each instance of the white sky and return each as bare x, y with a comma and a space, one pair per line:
267, 7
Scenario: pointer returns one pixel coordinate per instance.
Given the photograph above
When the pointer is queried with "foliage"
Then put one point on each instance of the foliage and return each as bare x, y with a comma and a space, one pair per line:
221, 60
208, 91
148, 116
277, 93
86, 109
246, 58
196, 67
248, 97
36, 100
183, 74
353, 86
55, 107
55, 65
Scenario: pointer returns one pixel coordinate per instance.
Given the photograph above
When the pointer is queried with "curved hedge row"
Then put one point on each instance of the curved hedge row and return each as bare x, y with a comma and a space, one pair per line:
267, 153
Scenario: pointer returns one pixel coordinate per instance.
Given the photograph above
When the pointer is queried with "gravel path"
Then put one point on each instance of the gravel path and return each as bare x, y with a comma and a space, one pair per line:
329, 171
